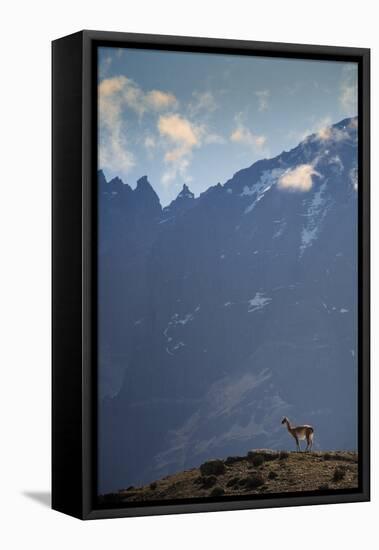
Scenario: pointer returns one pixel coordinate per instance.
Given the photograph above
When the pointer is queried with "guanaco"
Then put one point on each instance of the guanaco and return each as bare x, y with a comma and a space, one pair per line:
300, 433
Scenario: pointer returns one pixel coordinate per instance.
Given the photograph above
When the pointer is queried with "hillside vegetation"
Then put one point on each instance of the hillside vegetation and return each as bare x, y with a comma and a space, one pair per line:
260, 471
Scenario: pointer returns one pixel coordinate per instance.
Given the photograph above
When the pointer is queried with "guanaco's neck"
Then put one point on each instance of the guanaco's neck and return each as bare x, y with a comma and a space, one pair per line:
288, 425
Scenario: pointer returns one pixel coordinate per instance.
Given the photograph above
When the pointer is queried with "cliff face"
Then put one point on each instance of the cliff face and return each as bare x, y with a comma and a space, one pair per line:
259, 472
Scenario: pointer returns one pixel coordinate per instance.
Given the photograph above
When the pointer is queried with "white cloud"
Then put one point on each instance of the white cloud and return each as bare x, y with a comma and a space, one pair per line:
110, 86
243, 135
179, 130
114, 155
182, 137
213, 138
120, 91
114, 95
324, 133
202, 102
113, 150
298, 179
327, 132
293, 88
263, 99
160, 100
104, 65
348, 98
177, 168
322, 129
353, 123
150, 142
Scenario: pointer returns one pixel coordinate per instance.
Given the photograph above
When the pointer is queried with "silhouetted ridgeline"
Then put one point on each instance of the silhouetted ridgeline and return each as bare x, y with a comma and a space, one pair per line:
260, 472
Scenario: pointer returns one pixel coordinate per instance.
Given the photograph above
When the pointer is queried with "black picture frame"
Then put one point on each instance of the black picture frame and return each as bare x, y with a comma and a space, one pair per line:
74, 383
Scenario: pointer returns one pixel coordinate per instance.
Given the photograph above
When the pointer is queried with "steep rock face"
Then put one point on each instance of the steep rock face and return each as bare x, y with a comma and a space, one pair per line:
184, 201
127, 222
221, 316
146, 200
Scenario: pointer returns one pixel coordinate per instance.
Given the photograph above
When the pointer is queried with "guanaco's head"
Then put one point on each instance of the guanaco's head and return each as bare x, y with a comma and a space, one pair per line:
285, 419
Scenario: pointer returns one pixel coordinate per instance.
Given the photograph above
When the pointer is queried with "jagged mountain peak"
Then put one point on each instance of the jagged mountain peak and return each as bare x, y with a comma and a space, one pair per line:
116, 181
350, 122
101, 177
334, 134
321, 147
122, 207
146, 197
143, 183
114, 189
185, 193
118, 185
184, 200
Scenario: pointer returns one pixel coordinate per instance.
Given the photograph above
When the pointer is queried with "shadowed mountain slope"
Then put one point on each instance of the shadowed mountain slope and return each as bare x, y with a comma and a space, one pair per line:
220, 314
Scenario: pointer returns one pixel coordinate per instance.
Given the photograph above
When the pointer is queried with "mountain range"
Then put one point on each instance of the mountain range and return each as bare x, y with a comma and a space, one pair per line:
220, 314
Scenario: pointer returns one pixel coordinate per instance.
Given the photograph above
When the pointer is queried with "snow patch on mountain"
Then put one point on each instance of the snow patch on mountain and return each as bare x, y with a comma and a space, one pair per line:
258, 302
337, 163
280, 228
171, 331
259, 189
316, 212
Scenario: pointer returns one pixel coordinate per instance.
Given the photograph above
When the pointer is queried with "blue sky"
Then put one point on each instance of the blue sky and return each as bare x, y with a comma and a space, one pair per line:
181, 117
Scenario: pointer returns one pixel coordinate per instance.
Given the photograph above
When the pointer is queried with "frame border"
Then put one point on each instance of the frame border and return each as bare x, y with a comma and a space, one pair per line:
86, 277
